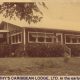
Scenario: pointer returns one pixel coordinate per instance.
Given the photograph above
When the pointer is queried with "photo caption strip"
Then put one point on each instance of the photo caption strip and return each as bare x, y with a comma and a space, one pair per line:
39, 77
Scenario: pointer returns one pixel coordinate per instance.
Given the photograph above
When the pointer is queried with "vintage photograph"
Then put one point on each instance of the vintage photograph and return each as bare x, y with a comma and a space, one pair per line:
40, 37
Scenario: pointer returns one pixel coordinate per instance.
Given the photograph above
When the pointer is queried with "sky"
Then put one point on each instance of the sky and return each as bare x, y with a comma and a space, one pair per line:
61, 14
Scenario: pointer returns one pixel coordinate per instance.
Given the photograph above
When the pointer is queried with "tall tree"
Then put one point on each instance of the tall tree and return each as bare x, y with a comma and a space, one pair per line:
23, 10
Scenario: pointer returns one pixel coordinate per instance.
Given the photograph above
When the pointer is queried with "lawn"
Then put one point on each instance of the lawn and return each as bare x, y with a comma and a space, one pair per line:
39, 66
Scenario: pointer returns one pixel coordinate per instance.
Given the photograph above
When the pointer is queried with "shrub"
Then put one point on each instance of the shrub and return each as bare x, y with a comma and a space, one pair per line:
75, 50
45, 50
17, 50
5, 50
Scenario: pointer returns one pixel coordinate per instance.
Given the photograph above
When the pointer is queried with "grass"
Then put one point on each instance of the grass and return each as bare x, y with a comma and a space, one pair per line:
39, 66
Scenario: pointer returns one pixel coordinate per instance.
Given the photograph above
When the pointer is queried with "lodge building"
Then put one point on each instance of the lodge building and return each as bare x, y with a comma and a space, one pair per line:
17, 36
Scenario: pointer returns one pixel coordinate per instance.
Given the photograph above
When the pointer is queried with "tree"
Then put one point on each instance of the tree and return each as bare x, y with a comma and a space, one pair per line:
23, 10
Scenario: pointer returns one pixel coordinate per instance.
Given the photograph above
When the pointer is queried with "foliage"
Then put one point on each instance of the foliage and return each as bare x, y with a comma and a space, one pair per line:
5, 50
34, 50
45, 50
23, 10
17, 50
75, 50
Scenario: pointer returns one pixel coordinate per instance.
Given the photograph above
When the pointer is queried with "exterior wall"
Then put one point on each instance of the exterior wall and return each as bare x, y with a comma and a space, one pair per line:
13, 30
3, 33
55, 32
16, 47
63, 32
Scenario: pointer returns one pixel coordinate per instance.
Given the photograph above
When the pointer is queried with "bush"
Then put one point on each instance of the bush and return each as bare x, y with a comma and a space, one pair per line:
5, 50
17, 50
45, 50
75, 50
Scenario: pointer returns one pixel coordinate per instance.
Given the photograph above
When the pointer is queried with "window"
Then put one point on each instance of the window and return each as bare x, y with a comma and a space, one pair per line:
13, 39
59, 38
68, 39
48, 39
17, 38
32, 37
74, 40
54, 39
40, 37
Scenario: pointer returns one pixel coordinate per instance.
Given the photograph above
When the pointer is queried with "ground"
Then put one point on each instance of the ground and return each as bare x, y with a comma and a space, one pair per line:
39, 66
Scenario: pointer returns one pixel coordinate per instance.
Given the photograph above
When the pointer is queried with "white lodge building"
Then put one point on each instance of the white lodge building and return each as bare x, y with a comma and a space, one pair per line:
17, 36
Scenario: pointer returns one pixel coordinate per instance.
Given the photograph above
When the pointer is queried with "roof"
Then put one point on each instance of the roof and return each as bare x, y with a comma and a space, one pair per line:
62, 30
41, 27
10, 23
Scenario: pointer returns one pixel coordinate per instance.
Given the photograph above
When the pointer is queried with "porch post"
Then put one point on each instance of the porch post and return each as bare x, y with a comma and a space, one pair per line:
24, 38
7, 34
7, 38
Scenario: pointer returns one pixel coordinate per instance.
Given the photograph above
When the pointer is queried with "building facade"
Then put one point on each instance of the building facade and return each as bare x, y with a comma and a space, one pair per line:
21, 36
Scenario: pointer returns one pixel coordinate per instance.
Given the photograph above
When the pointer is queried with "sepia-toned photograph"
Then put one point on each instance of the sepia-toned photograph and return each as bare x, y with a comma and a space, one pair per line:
40, 37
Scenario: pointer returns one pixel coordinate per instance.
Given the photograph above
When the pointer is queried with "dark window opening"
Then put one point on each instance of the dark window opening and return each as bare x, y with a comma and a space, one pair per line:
68, 39
13, 39
59, 38
19, 37
16, 38
74, 40
48, 39
40, 39
33, 39
54, 39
